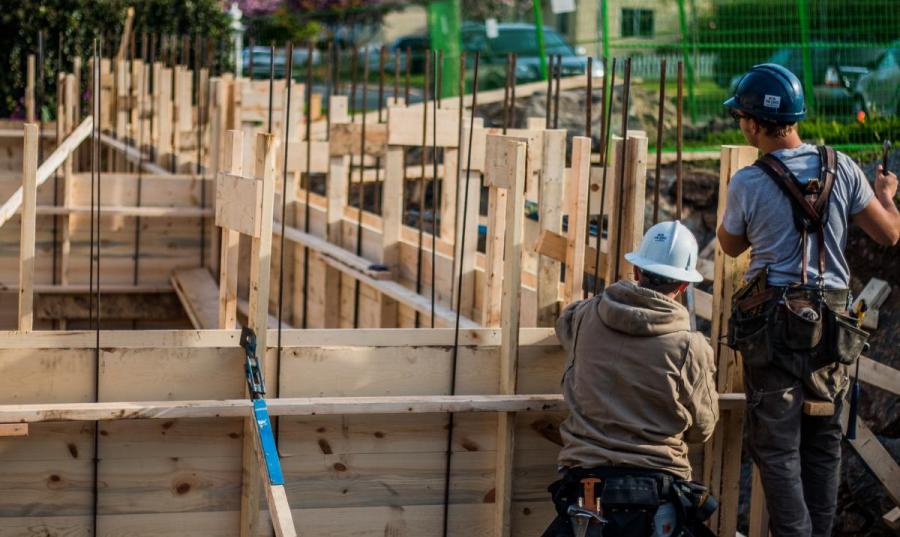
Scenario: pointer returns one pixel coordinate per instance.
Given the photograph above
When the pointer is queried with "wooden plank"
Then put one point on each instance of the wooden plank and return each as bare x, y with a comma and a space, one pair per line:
285, 406
759, 514
576, 208
133, 211
632, 197
199, 295
815, 407
466, 249
728, 274
391, 228
892, 518
345, 139
26, 241
257, 319
49, 166
335, 256
233, 151
550, 219
879, 461
496, 233
514, 175
450, 191
238, 203
878, 374
13, 429
399, 132
296, 161
133, 155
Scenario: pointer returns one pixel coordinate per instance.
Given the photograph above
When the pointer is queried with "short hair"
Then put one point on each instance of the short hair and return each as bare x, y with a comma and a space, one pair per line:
658, 282
774, 129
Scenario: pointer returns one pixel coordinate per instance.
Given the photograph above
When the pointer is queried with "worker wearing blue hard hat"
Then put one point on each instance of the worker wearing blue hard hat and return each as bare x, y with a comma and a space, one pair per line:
790, 321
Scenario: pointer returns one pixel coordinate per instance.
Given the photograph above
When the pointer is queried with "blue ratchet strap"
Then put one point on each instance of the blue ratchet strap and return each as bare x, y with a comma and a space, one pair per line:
267, 441
257, 387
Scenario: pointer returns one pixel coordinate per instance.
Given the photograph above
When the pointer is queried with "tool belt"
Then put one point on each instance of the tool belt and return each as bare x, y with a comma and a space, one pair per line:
629, 498
797, 318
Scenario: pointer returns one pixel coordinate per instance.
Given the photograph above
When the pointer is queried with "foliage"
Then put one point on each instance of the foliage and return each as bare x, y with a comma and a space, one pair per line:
70, 26
818, 131
280, 26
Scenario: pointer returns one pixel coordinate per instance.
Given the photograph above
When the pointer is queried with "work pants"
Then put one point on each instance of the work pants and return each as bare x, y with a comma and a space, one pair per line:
798, 456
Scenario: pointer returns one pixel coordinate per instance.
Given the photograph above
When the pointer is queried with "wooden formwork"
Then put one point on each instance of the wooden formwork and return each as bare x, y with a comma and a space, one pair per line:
362, 432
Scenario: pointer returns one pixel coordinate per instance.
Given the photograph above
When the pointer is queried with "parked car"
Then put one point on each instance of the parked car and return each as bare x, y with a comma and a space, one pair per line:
520, 38
835, 74
878, 91
262, 61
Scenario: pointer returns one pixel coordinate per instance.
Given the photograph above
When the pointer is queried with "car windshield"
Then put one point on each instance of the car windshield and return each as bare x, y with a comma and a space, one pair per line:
523, 41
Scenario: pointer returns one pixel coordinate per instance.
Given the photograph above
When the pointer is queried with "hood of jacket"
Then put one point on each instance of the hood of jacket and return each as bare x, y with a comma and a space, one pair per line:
629, 308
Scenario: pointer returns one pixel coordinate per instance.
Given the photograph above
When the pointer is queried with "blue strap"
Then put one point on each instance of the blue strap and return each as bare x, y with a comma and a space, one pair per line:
267, 441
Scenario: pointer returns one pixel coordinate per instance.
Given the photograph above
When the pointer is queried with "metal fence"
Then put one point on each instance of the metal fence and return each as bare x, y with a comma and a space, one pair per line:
846, 52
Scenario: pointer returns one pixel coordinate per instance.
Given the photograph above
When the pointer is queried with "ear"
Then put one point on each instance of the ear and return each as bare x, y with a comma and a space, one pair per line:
636, 272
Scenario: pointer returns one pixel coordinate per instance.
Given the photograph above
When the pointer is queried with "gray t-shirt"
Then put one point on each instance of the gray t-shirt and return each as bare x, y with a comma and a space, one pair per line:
759, 209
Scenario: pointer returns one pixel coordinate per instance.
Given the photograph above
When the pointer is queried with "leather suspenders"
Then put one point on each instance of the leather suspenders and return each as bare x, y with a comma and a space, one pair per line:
809, 202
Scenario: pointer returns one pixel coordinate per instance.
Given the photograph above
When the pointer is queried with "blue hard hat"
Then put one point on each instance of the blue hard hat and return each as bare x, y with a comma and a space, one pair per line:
769, 91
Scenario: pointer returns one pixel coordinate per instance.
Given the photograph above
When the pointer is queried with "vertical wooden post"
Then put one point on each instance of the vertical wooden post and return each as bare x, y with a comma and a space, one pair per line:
493, 289
627, 197
553, 165
121, 110
721, 461
509, 341
164, 119
466, 257
392, 223
30, 115
228, 264
336, 193
576, 207
449, 192
257, 320
29, 214
759, 514
70, 107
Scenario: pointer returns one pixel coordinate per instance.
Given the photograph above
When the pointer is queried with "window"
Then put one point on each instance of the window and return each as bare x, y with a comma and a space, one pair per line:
637, 22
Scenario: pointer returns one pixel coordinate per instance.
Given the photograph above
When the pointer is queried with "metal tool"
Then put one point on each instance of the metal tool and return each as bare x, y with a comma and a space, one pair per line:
885, 153
582, 519
257, 386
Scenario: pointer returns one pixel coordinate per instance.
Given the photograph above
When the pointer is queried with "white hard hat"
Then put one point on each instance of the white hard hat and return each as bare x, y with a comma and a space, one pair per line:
668, 249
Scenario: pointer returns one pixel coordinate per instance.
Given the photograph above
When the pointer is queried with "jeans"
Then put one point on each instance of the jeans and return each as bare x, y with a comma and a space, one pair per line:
798, 456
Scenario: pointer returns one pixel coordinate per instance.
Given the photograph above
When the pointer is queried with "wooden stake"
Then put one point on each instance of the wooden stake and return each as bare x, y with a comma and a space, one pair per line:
553, 164
228, 264
26, 244
30, 115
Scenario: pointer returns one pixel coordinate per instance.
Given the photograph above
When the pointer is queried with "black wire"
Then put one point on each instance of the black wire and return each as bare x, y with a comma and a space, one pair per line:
309, 79
284, 181
626, 82
422, 179
360, 193
271, 81
462, 246
435, 199
459, 132
609, 81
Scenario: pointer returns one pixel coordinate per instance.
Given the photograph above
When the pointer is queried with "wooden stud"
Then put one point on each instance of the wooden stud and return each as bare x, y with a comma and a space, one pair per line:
13, 429
496, 232
30, 115
336, 194
26, 244
576, 204
392, 224
879, 460
892, 518
759, 514
464, 295
509, 343
717, 467
450, 185
260, 264
70, 108
552, 174
629, 201
228, 265
198, 293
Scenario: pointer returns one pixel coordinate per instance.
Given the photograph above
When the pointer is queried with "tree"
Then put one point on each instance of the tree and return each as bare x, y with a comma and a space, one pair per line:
70, 27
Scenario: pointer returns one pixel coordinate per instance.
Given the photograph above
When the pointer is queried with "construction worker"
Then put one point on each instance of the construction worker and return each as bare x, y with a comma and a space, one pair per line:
639, 385
790, 322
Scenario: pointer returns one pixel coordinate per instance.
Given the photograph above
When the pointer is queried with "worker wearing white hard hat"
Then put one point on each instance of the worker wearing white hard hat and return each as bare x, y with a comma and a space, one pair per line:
640, 385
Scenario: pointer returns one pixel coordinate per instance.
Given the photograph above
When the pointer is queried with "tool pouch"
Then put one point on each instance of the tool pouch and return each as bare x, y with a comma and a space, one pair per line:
847, 341
803, 321
629, 503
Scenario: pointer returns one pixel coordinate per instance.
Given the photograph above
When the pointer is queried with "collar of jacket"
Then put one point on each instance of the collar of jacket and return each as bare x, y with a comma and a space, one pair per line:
629, 308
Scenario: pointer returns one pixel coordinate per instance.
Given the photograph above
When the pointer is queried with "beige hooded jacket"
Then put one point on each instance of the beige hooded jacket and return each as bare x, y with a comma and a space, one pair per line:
639, 384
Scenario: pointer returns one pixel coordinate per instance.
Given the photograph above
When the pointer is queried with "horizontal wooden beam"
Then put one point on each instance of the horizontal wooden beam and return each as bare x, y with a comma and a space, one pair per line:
294, 406
143, 212
13, 429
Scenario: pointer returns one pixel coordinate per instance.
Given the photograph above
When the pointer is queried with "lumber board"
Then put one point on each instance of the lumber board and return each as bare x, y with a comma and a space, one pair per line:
892, 518
13, 429
290, 406
133, 155
576, 208
550, 206
878, 374
239, 202
27, 232
199, 294
142, 211
399, 132
345, 139
877, 458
